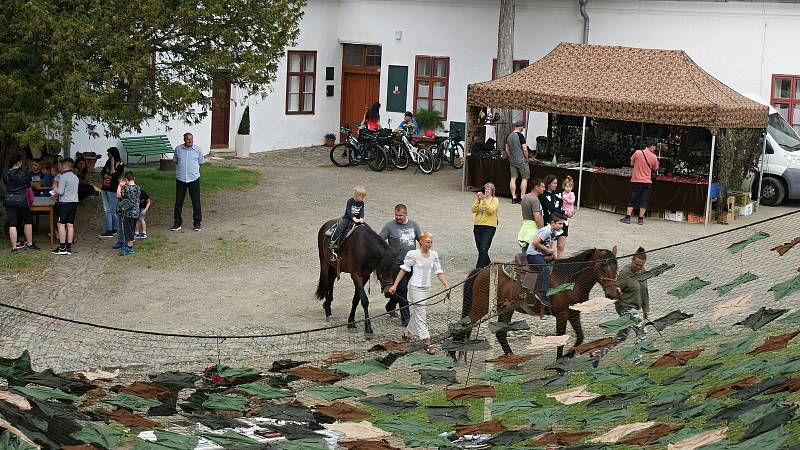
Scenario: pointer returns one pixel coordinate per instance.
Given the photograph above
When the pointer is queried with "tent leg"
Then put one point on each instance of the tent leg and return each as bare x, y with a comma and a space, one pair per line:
580, 167
761, 171
710, 175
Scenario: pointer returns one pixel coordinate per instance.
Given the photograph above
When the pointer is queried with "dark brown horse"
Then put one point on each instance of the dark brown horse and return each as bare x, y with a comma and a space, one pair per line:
585, 269
362, 253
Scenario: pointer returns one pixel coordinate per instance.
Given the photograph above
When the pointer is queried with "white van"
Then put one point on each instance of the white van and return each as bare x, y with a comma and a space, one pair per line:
782, 160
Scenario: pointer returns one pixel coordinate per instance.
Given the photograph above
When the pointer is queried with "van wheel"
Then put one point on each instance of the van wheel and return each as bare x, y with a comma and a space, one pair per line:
772, 192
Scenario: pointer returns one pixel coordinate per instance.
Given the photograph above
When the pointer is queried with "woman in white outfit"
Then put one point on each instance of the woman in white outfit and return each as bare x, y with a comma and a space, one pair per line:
422, 263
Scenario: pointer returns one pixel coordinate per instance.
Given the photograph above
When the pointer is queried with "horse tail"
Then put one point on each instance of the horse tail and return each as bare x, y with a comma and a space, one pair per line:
466, 304
322, 286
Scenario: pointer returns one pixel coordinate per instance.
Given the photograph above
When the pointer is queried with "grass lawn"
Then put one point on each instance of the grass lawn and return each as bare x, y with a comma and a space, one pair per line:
160, 185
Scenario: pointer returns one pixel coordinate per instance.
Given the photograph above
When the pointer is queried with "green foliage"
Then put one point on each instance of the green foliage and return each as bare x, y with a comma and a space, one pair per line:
429, 119
244, 125
738, 151
124, 62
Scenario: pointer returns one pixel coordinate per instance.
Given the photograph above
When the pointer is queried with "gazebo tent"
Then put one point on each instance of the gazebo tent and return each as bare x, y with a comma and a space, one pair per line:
620, 83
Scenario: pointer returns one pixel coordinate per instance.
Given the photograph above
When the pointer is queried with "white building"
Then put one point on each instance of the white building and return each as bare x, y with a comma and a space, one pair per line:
414, 54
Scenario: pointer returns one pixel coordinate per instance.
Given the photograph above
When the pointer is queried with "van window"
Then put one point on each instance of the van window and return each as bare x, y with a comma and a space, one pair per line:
769, 149
783, 133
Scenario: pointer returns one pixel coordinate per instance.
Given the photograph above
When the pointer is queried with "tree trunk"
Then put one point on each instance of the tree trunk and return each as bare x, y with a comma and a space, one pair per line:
505, 62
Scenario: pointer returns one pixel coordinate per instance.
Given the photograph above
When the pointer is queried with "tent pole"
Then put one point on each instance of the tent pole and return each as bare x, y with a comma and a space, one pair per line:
580, 167
761, 169
710, 174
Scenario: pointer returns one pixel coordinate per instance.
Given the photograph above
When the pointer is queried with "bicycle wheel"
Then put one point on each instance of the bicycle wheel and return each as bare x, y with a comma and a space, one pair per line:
437, 157
376, 159
457, 156
341, 155
391, 156
425, 161
402, 158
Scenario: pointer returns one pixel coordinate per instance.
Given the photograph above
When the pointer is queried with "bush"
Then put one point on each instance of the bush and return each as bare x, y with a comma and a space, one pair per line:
244, 125
429, 119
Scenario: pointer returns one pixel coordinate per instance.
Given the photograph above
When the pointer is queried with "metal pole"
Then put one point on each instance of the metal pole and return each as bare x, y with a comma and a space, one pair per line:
710, 173
761, 170
580, 168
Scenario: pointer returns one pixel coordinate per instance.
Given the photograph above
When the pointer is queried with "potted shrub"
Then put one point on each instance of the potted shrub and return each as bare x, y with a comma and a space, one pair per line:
330, 140
243, 135
428, 120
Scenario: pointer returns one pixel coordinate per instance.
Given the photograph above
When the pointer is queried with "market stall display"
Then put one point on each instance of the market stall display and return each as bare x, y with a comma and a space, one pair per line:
663, 93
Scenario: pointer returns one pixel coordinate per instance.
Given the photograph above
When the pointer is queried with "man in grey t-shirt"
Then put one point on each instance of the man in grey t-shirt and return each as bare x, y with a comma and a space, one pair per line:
531, 213
402, 235
517, 153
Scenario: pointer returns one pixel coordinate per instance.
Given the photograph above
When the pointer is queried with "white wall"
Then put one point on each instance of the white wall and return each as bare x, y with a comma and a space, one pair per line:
740, 43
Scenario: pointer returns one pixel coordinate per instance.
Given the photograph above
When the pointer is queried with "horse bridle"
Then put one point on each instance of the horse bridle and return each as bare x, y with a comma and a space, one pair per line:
599, 265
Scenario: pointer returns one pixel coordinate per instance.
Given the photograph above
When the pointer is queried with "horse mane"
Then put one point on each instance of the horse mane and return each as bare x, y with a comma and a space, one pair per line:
573, 263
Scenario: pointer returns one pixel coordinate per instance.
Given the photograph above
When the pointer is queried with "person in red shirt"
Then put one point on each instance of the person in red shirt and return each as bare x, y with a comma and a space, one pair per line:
372, 118
644, 163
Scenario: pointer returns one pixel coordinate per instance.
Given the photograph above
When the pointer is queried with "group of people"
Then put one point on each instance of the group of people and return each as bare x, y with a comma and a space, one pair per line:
60, 181
125, 203
415, 258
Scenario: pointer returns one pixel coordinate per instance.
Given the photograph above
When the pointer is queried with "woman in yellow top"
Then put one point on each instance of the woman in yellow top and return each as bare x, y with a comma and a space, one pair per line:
485, 209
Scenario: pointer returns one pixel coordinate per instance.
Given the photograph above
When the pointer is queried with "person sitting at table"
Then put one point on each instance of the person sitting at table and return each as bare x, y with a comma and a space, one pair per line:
409, 123
85, 188
36, 177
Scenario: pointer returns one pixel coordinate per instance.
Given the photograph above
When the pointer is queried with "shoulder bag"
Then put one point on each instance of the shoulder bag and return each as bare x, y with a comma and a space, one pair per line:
653, 173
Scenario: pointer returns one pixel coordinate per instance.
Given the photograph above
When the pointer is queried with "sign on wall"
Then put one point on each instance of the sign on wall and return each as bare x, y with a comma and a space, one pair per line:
397, 89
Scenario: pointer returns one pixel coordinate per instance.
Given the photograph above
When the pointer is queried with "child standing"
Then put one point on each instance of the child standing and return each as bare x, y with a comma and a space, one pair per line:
128, 194
353, 213
568, 197
65, 186
421, 263
141, 225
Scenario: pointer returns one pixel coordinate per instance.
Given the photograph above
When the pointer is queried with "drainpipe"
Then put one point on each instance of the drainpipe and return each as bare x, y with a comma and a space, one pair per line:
585, 20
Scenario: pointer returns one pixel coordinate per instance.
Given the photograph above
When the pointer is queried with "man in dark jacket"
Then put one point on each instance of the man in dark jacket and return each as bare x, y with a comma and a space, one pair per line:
16, 182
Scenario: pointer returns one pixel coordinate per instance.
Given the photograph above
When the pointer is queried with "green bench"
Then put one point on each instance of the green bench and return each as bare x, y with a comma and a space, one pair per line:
144, 146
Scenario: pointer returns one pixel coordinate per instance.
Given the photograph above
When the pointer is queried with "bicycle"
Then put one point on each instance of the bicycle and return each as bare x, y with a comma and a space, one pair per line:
355, 151
419, 155
449, 149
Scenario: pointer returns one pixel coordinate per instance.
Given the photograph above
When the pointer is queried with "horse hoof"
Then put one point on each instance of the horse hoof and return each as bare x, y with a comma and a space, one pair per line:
352, 328
369, 335
328, 318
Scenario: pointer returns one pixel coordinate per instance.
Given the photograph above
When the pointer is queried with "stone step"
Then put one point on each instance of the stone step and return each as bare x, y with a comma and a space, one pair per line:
223, 152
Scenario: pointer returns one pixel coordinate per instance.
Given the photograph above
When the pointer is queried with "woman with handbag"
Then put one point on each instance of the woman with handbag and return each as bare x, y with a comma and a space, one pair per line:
16, 182
112, 170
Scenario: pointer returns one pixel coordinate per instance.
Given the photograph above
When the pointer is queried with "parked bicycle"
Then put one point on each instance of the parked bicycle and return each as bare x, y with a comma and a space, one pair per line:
407, 152
354, 151
449, 149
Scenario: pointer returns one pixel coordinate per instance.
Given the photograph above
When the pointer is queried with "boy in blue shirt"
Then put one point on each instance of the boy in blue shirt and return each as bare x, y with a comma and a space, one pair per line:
353, 213
409, 123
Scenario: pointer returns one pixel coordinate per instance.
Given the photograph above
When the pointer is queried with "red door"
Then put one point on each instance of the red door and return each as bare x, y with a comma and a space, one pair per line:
221, 110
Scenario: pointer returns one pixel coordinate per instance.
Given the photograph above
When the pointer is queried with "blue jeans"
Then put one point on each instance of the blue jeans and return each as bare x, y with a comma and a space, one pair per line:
483, 240
110, 209
121, 242
543, 281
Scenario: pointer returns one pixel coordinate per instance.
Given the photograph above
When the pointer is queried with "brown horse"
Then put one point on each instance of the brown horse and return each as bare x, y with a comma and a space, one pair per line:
362, 253
585, 269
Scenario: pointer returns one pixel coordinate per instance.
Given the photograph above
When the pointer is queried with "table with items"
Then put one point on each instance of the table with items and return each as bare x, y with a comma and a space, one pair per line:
603, 188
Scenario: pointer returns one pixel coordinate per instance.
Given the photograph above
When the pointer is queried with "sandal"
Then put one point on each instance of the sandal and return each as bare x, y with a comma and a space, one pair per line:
407, 336
430, 349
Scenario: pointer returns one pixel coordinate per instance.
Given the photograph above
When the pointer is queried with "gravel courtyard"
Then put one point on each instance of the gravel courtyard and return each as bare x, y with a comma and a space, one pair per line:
254, 267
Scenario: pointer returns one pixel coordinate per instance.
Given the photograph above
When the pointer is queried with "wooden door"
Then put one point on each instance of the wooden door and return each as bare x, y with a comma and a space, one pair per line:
360, 81
221, 110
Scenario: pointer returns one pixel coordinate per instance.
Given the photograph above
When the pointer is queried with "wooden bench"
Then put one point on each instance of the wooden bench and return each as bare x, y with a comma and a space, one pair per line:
144, 146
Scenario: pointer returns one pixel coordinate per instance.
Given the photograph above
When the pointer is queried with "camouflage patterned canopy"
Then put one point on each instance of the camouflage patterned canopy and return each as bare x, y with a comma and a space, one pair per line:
621, 83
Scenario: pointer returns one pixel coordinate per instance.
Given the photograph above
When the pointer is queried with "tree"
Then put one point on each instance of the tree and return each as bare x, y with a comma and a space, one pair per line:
505, 61
123, 62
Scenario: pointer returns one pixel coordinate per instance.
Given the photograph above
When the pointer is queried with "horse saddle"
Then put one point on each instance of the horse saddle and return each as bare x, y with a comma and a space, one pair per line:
342, 237
522, 272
